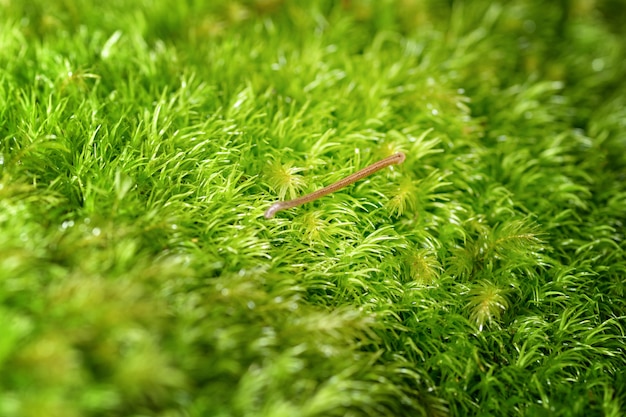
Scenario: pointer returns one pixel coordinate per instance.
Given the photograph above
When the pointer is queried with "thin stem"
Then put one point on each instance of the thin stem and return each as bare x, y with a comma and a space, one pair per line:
396, 158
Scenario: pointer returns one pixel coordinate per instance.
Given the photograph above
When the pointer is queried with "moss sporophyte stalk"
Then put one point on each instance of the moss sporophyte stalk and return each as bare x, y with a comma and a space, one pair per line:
396, 158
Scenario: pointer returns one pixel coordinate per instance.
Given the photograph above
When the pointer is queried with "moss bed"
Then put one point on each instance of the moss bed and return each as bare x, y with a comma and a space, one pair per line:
141, 142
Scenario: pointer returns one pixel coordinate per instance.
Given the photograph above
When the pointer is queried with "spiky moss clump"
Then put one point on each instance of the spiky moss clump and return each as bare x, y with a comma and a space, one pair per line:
141, 143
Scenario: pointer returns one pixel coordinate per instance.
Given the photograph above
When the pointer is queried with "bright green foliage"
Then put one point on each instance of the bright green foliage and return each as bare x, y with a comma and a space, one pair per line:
141, 142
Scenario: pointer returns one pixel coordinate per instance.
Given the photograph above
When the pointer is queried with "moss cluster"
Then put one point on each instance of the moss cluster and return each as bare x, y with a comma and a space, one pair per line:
141, 142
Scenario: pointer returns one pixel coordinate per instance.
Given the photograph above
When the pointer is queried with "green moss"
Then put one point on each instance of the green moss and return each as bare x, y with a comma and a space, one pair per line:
140, 144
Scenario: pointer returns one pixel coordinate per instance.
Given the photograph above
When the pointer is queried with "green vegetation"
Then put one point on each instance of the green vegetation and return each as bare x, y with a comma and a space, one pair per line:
141, 142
